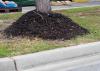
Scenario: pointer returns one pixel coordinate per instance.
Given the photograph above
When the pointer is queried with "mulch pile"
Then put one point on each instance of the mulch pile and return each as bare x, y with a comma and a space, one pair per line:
46, 26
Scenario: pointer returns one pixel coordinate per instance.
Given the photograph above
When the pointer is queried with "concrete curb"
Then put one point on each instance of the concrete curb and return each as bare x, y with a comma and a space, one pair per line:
31, 60
86, 63
7, 64
25, 62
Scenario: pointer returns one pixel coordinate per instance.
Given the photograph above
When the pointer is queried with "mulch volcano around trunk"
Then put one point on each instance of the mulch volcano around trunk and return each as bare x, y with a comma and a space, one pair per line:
46, 26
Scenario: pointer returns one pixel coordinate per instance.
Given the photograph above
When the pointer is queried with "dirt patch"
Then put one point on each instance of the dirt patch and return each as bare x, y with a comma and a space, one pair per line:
46, 26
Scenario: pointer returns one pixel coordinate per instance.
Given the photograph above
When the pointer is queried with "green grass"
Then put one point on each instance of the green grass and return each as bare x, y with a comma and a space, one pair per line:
10, 16
86, 17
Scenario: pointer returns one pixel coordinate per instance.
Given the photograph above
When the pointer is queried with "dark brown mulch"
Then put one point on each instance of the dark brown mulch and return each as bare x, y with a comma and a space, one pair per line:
46, 26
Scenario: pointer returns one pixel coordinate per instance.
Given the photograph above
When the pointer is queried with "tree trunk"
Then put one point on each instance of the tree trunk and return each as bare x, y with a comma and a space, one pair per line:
43, 6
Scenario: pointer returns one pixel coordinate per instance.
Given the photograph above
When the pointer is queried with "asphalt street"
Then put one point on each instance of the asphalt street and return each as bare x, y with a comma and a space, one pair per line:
73, 5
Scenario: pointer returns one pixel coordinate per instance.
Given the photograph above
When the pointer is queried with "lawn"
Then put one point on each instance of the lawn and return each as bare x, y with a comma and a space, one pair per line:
88, 17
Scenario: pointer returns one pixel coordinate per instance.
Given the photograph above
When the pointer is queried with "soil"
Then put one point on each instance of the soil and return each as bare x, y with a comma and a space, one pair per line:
46, 26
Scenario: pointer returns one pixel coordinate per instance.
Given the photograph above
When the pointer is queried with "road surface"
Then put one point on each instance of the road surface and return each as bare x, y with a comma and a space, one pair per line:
73, 5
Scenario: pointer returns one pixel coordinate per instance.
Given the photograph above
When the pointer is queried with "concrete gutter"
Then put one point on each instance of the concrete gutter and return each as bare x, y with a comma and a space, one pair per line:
55, 59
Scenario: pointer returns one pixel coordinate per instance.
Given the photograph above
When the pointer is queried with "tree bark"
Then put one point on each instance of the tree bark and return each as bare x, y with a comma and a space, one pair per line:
43, 6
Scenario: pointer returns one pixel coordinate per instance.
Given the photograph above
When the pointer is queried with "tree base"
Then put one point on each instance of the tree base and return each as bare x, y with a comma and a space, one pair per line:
47, 26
